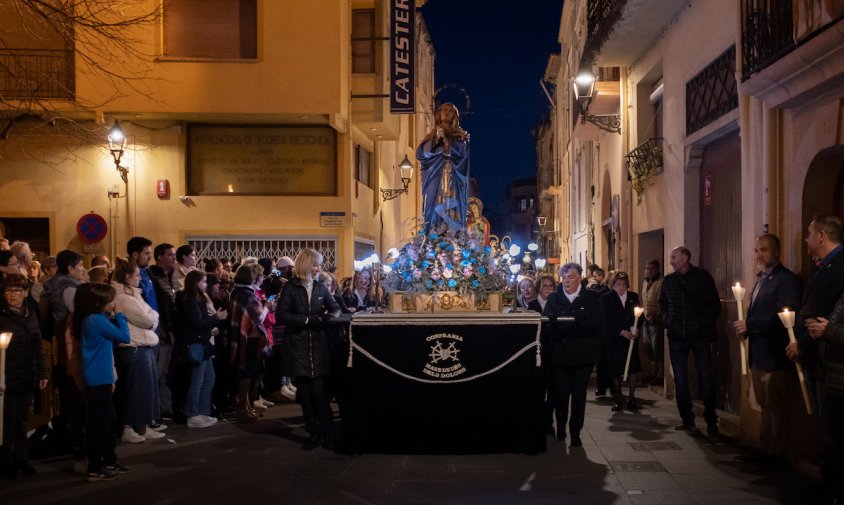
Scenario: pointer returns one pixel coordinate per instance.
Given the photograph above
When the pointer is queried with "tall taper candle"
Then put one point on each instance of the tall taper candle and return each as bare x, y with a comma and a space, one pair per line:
739, 293
5, 338
787, 318
637, 312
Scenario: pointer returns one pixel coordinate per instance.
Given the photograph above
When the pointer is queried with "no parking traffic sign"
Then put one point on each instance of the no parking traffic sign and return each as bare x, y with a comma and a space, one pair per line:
91, 228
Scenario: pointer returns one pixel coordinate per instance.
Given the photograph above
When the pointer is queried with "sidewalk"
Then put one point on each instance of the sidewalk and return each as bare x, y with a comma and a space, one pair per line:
627, 458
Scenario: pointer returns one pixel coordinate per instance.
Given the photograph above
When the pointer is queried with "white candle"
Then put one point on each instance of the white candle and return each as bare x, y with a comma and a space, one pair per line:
5, 338
787, 318
739, 292
637, 311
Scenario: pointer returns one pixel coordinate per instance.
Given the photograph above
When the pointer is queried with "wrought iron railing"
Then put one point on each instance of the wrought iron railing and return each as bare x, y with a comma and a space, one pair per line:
712, 93
601, 17
37, 73
767, 33
643, 163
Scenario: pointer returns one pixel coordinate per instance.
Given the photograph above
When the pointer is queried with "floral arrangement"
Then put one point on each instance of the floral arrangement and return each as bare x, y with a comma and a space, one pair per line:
445, 261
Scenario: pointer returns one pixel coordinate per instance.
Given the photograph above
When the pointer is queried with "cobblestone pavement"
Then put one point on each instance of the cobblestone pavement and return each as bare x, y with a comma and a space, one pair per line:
629, 458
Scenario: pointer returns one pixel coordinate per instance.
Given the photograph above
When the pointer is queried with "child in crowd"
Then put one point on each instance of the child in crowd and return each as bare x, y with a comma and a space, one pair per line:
99, 327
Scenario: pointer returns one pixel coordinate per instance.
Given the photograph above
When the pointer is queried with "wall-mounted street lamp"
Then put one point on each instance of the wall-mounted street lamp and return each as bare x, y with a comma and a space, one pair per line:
584, 88
116, 143
406, 171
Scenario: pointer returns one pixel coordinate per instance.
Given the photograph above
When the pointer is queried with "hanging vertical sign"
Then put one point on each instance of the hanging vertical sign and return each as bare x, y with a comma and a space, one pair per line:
402, 50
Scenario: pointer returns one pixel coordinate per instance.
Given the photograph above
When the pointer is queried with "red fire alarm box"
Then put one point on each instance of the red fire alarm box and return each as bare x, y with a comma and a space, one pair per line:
162, 188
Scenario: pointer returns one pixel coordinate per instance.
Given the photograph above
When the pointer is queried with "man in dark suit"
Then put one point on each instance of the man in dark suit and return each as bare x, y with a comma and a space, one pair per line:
772, 374
825, 287
572, 348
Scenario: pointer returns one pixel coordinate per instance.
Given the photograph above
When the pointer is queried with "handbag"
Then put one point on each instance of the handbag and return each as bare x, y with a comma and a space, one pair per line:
196, 353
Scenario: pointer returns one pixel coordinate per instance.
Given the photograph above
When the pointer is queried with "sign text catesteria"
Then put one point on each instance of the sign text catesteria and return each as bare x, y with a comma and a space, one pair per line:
402, 50
254, 159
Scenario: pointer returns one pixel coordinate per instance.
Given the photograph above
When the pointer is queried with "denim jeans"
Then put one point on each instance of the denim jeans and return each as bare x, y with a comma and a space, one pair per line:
142, 404
678, 351
198, 401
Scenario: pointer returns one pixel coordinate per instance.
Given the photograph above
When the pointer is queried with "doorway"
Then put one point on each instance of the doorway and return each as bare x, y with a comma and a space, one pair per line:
720, 255
823, 193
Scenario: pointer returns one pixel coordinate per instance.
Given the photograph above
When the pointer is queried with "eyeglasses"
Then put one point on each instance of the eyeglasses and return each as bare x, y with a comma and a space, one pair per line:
15, 291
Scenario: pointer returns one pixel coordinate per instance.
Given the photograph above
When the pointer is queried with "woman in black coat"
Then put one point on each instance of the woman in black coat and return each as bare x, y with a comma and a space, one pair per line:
201, 324
617, 307
305, 354
25, 372
571, 348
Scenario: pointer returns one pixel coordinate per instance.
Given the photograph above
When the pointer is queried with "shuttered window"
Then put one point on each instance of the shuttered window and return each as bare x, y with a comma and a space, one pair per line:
363, 41
217, 29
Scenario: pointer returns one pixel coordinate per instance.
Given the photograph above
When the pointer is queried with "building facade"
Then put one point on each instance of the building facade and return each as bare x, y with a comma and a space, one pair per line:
251, 130
730, 120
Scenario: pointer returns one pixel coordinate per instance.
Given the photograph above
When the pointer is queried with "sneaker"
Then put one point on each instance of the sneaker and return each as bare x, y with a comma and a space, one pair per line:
291, 387
157, 427
153, 435
130, 436
102, 475
210, 419
288, 391
117, 468
200, 422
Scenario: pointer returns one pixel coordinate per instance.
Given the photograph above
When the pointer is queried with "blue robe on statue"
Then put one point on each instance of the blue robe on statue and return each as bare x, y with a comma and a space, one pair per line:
445, 183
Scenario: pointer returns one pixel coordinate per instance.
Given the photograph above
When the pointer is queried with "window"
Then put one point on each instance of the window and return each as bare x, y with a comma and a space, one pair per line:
363, 165
363, 41
219, 29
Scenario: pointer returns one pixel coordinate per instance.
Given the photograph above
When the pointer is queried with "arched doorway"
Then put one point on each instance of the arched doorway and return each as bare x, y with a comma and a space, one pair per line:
823, 191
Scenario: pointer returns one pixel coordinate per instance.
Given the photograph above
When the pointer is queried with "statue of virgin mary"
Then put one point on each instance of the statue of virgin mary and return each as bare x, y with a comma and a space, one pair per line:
444, 156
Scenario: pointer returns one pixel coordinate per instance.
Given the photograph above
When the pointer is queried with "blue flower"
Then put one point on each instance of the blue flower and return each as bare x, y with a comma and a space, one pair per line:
440, 283
465, 263
428, 284
487, 249
426, 263
433, 236
475, 283
473, 260
466, 253
443, 243
430, 254
481, 269
452, 283
421, 232
450, 247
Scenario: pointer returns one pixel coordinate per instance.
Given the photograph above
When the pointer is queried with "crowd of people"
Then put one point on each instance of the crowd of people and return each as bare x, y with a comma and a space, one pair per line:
591, 325
150, 338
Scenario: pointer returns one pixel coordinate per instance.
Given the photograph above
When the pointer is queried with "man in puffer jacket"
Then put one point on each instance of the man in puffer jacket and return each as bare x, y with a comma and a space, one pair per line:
689, 303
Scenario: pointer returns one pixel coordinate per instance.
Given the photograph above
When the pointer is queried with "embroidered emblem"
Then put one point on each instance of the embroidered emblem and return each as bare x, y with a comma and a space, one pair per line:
444, 362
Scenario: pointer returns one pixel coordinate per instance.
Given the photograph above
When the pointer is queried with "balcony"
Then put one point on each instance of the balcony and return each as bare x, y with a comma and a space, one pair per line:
767, 33
643, 163
791, 54
40, 74
619, 31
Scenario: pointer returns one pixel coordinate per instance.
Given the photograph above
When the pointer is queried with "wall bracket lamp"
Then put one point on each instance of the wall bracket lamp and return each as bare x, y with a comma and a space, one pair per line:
116, 143
584, 88
406, 171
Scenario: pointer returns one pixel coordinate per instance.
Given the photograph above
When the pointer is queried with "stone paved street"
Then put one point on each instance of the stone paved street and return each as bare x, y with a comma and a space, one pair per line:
626, 459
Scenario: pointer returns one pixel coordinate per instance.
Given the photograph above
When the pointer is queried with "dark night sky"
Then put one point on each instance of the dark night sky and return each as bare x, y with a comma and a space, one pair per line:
497, 51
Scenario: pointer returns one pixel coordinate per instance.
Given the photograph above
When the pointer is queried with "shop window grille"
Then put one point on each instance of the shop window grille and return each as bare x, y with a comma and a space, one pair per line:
238, 247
